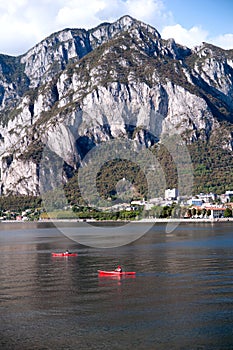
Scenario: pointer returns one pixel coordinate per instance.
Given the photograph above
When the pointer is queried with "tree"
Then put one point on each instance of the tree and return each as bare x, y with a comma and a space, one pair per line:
194, 211
203, 212
227, 213
166, 211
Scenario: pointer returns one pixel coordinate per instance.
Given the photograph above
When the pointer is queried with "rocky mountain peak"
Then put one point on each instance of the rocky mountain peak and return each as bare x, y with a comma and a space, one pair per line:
78, 88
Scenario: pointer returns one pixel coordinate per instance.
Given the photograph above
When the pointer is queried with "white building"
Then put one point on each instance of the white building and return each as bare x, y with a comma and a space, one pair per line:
216, 212
229, 193
171, 194
207, 197
227, 197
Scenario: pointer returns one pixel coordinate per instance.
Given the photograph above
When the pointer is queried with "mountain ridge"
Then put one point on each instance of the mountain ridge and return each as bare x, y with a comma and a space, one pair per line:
119, 79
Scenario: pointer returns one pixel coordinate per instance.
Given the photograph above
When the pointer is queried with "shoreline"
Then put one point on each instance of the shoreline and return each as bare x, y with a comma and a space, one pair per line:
142, 221
186, 220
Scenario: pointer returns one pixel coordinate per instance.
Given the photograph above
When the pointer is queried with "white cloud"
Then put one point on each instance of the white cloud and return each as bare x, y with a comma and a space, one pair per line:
11, 7
24, 23
79, 14
195, 36
151, 11
27, 22
189, 37
225, 41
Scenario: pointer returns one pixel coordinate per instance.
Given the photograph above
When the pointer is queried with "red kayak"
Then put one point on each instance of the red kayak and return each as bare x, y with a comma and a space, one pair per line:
64, 254
115, 273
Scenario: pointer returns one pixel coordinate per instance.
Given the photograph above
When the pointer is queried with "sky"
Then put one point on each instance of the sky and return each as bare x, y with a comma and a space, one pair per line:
24, 23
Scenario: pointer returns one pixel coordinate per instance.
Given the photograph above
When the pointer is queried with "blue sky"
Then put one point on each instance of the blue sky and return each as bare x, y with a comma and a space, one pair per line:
24, 23
213, 15
212, 20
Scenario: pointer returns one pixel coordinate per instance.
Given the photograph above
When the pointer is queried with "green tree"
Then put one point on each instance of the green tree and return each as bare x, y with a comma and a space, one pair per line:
227, 213
204, 212
166, 211
194, 211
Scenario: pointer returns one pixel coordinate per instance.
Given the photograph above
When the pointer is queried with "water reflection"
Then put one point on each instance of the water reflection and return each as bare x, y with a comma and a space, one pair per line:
181, 297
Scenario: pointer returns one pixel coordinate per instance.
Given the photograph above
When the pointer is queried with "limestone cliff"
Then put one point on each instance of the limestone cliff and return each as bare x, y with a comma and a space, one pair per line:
79, 88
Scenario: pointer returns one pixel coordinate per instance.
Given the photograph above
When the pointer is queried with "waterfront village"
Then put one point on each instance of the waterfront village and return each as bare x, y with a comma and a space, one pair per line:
201, 206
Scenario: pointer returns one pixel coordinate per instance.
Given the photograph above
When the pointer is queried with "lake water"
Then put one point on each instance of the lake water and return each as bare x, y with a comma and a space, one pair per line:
181, 297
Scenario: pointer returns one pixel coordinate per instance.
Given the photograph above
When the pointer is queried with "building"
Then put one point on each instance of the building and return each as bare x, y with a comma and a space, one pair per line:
229, 196
207, 197
171, 194
216, 212
226, 197
195, 201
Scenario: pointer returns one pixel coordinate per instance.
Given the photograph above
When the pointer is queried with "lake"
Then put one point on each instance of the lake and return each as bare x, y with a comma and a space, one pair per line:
181, 297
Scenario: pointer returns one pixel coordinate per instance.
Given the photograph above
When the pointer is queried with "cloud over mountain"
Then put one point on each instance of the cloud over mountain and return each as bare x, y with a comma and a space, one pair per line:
26, 22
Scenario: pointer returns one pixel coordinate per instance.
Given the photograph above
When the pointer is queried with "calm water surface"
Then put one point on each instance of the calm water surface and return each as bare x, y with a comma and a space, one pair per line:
181, 297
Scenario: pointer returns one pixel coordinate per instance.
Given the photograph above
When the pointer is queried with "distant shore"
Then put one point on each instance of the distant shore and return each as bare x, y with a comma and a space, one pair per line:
143, 221
186, 220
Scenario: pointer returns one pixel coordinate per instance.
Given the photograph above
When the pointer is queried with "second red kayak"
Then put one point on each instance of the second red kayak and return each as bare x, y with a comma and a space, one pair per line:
115, 273
64, 254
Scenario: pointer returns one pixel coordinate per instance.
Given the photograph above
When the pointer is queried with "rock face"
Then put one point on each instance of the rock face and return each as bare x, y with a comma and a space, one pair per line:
78, 88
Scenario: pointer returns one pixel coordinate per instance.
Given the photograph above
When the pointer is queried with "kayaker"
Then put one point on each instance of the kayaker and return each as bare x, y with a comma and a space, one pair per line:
67, 251
118, 269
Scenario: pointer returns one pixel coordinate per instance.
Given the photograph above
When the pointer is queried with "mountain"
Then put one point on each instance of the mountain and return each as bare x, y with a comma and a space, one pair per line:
119, 81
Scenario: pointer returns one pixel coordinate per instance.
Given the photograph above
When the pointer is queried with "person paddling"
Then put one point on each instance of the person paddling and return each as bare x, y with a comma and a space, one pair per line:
118, 269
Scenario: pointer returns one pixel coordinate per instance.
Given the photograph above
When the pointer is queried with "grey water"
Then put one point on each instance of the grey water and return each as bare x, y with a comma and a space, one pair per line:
181, 297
